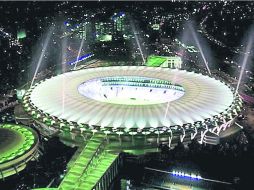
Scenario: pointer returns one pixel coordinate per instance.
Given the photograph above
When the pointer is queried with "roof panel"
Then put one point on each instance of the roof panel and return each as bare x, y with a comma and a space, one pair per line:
204, 97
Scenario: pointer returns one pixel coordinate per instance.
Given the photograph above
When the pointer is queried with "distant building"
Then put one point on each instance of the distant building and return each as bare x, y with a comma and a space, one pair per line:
172, 62
104, 31
119, 20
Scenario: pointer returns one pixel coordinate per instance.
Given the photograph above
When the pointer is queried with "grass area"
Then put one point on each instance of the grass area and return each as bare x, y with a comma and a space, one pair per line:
155, 61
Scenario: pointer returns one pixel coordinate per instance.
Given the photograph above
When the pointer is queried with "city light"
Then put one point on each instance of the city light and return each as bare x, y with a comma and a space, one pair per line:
81, 58
186, 175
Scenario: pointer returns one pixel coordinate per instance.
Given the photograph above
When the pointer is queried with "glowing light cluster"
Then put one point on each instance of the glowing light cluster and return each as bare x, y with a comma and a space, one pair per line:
187, 175
81, 58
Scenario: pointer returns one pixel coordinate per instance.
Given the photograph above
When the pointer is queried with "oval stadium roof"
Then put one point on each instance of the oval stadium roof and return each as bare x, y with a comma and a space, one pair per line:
204, 98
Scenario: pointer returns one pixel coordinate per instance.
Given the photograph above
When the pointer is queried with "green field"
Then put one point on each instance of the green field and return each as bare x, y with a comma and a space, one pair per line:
155, 61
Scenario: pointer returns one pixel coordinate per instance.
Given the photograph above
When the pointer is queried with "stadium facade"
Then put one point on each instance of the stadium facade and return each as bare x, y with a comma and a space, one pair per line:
130, 105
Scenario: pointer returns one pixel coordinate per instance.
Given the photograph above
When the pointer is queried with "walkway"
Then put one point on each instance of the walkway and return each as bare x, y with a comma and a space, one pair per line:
91, 167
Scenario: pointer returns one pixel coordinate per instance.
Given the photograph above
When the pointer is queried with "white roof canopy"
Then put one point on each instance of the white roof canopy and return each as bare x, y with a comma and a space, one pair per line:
204, 98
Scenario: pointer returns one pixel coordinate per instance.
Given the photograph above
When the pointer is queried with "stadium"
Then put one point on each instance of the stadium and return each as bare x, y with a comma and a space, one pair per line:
19, 145
133, 105
138, 96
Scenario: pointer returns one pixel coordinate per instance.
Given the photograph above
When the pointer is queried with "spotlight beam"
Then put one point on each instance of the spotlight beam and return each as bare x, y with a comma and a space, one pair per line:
135, 32
200, 48
79, 51
45, 45
245, 61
